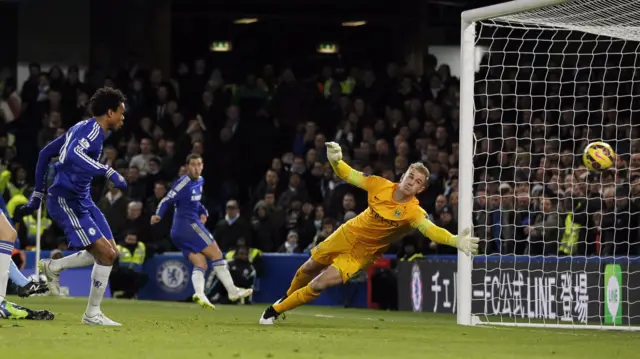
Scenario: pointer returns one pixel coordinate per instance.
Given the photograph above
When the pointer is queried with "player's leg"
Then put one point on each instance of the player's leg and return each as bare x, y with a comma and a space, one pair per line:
84, 258
330, 277
63, 216
16, 276
199, 262
203, 242
7, 239
220, 267
335, 251
101, 222
74, 218
104, 254
76, 260
307, 271
322, 256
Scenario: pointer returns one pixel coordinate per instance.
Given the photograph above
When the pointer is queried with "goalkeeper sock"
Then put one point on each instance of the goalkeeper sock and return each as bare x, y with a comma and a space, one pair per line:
300, 280
80, 259
301, 296
16, 276
6, 248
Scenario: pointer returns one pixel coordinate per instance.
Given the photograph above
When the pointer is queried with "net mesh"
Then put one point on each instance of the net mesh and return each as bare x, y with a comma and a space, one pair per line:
560, 243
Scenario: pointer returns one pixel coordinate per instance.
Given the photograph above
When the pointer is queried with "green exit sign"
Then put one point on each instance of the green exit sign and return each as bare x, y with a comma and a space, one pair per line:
220, 46
327, 48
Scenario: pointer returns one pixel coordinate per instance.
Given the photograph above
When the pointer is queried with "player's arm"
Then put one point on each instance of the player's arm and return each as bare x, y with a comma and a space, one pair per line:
464, 241
174, 194
44, 158
344, 171
76, 153
202, 210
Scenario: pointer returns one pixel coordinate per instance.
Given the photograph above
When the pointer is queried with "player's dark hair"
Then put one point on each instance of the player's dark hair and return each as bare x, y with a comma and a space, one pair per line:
193, 156
105, 99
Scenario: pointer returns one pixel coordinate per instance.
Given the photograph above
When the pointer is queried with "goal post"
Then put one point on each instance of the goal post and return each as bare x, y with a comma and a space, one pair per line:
542, 55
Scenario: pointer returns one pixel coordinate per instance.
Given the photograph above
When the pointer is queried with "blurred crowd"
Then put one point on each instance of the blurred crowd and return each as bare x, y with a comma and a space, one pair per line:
535, 114
268, 185
267, 180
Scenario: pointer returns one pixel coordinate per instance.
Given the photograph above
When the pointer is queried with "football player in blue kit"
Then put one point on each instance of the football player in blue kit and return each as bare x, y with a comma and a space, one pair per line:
189, 234
69, 200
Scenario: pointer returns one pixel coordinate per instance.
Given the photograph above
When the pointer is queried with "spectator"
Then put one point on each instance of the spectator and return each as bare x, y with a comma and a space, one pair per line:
159, 239
137, 187
291, 244
265, 234
142, 160
233, 226
113, 205
544, 232
127, 275
447, 222
328, 227
295, 190
135, 222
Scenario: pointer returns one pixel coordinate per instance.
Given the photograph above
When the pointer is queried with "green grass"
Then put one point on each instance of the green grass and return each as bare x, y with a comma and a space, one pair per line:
158, 330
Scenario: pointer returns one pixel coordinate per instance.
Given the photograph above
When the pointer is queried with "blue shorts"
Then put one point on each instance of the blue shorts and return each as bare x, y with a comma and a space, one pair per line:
191, 237
80, 219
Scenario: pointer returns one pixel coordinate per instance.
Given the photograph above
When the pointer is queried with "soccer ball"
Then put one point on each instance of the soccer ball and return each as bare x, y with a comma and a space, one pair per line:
598, 156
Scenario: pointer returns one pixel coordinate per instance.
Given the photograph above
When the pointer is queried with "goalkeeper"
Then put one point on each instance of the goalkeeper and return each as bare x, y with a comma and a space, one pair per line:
393, 212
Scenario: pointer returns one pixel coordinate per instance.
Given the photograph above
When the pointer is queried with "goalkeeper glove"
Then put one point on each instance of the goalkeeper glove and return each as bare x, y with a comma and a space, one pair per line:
334, 152
466, 243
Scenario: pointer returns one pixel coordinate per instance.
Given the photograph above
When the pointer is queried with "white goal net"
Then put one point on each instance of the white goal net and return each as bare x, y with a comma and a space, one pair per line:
560, 244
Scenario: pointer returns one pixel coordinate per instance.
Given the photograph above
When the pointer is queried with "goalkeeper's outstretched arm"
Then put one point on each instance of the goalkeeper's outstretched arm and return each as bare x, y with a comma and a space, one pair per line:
344, 171
464, 241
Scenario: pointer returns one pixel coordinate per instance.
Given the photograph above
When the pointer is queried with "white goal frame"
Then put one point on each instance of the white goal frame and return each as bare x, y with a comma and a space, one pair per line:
466, 170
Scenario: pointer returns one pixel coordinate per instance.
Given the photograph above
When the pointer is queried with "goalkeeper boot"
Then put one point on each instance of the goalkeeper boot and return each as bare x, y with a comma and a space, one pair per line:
32, 288
269, 316
53, 278
9, 310
203, 302
240, 293
283, 316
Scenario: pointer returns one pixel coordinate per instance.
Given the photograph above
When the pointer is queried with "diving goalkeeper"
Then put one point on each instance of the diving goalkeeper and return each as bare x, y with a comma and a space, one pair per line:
393, 212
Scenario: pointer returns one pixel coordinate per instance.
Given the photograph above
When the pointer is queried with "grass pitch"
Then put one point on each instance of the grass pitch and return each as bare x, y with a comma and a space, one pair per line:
161, 330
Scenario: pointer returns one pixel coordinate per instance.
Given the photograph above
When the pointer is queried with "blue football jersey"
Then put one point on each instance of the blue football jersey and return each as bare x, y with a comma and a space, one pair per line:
185, 196
78, 153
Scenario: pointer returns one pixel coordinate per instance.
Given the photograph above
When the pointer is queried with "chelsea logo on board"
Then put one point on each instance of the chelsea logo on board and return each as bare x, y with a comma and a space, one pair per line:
173, 276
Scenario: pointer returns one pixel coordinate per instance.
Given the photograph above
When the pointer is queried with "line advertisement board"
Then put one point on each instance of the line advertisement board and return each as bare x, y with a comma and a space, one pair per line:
556, 290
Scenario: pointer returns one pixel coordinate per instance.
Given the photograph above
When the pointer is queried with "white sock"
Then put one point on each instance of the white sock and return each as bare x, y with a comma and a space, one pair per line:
197, 278
222, 272
5, 261
99, 280
80, 259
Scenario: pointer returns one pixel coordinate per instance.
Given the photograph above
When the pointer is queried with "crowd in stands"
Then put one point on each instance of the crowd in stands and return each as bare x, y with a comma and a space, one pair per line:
267, 180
